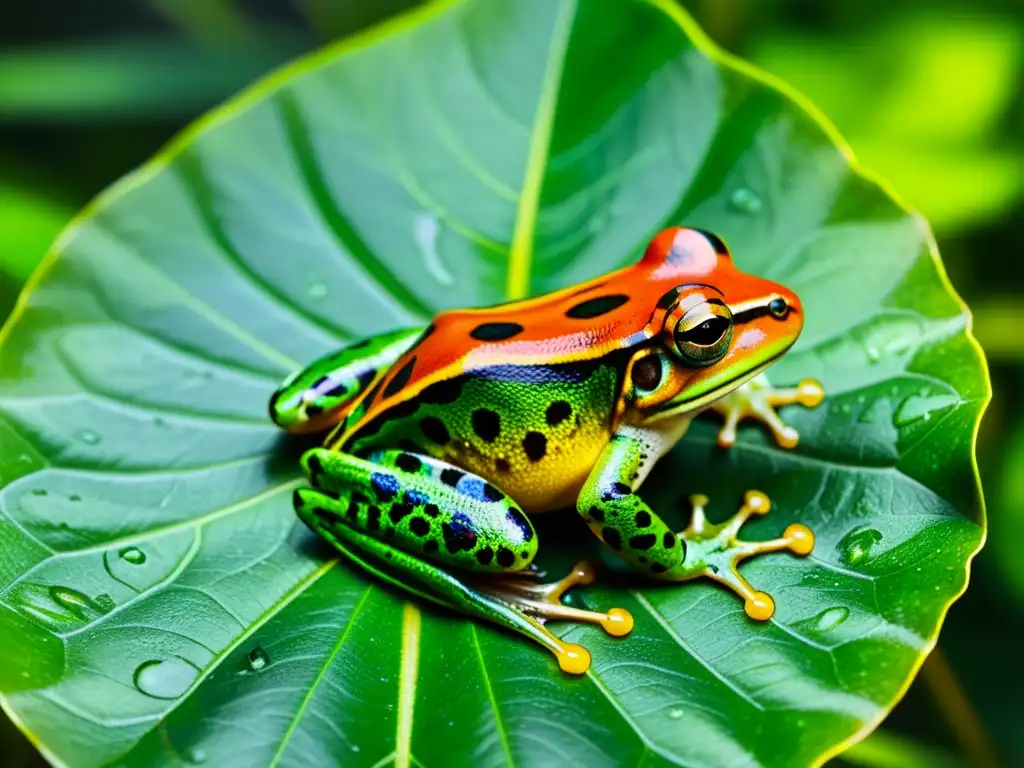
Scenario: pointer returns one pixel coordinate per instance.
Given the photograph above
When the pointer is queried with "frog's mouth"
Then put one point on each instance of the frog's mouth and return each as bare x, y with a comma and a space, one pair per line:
718, 389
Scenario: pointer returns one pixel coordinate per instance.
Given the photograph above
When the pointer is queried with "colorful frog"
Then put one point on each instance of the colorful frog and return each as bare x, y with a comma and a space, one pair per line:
444, 440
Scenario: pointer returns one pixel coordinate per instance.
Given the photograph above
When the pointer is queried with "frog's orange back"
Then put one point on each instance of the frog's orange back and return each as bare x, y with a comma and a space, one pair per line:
584, 322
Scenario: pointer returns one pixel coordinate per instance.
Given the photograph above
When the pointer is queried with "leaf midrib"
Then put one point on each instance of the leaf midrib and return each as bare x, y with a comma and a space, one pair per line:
521, 250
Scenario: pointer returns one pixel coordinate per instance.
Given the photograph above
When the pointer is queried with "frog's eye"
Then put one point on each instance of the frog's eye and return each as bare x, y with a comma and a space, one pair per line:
703, 334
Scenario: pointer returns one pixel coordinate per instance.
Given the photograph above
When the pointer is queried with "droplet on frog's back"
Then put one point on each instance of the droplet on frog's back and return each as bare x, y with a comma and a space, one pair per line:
165, 679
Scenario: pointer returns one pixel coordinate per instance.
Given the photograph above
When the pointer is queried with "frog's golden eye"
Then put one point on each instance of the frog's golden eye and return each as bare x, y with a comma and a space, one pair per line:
703, 334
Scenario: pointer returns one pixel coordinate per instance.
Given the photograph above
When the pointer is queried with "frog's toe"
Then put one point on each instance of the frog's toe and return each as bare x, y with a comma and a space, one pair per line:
758, 400
544, 601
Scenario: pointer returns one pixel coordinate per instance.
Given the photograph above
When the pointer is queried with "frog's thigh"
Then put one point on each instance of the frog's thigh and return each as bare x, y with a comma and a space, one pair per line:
313, 399
424, 506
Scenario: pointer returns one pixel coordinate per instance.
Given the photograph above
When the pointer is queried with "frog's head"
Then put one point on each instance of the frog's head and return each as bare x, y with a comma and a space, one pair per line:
715, 327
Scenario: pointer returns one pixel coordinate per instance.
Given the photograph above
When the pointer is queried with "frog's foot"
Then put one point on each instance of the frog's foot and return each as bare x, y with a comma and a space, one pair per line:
757, 399
541, 602
715, 551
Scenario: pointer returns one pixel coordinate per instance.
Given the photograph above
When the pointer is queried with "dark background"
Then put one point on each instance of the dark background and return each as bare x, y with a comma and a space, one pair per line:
928, 92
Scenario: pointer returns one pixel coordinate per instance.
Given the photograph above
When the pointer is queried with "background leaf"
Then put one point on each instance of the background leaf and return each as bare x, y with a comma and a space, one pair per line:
165, 603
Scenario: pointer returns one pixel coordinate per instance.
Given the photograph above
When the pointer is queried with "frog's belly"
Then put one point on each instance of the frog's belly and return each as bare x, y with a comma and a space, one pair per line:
551, 482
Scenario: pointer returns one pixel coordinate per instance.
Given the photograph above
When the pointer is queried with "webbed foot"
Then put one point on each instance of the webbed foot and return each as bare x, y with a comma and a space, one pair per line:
715, 551
757, 399
541, 602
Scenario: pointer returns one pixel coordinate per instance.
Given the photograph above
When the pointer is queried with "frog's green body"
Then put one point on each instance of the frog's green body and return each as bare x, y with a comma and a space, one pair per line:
447, 438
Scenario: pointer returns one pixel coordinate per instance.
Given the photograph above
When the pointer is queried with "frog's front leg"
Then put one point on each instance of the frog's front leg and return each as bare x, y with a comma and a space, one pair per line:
621, 519
399, 515
757, 399
314, 399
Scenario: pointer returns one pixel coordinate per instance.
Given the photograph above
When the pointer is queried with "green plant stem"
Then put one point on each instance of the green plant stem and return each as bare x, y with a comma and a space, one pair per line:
209, 22
957, 711
885, 749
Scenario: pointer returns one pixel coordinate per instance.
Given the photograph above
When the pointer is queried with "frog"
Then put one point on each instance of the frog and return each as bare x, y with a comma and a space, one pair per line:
436, 445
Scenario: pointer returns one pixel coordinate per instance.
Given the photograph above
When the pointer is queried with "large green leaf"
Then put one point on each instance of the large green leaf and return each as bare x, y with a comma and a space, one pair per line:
161, 603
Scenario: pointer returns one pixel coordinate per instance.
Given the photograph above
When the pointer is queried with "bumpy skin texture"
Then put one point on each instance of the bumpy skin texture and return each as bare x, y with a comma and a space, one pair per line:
424, 505
444, 438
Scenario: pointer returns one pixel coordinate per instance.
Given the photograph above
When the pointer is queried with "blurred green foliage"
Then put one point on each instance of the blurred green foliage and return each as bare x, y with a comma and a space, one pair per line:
922, 99
929, 93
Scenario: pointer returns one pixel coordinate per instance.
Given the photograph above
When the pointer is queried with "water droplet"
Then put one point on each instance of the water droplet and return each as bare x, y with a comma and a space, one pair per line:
744, 200
317, 291
105, 602
831, 618
160, 422
166, 679
675, 713
87, 436
74, 602
132, 555
39, 492
855, 547
257, 659
355, 747
426, 228
917, 407
74, 497
874, 355
197, 756
59, 606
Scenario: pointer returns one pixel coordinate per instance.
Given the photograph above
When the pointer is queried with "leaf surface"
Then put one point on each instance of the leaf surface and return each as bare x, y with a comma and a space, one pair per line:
160, 604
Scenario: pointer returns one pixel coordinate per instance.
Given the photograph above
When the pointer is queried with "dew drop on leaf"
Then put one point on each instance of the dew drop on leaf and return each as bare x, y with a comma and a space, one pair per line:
317, 291
87, 436
855, 547
744, 200
257, 659
79, 605
165, 679
105, 603
918, 407
675, 713
197, 756
831, 618
39, 492
132, 555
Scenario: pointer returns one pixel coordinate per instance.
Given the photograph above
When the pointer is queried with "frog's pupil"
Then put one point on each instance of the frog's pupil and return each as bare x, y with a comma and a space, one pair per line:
707, 333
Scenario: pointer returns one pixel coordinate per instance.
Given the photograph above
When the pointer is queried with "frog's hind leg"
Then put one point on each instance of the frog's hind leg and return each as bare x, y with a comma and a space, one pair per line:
414, 514
315, 398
